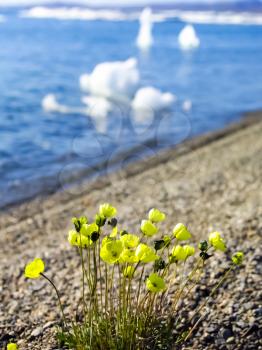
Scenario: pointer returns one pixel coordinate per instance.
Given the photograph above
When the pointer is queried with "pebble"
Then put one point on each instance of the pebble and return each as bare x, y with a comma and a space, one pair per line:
37, 332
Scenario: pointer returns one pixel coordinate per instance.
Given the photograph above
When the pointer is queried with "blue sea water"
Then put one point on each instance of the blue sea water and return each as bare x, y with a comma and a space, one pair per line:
40, 151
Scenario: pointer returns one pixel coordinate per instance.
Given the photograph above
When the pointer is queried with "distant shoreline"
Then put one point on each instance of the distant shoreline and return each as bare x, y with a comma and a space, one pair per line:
84, 177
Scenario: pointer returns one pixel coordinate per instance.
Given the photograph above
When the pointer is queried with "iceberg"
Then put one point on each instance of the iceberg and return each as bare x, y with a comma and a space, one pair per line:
145, 39
149, 100
187, 38
117, 80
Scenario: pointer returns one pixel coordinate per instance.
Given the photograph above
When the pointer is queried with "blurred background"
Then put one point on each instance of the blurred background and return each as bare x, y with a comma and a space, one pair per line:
87, 86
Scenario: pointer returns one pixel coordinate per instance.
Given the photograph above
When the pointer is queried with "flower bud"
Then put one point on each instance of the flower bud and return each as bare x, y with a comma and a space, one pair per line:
156, 215
237, 258
203, 245
100, 220
95, 236
148, 228
167, 240
181, 232
204, 255
159, 244
159, 264
112, 222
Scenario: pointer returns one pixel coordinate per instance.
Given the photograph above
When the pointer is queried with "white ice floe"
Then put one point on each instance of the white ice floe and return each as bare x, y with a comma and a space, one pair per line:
145, 38
187, 105
91, 14
50, 104
74, 13
187, 38
223, 17
113, 80
97, 107
150, 98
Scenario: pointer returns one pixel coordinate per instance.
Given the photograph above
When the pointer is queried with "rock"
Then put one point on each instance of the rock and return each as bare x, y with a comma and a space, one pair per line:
230, 340
48, 325
227, 333
37, 332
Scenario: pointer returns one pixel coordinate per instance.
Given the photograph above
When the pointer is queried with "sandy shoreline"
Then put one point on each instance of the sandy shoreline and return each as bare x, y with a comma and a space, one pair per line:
211, 182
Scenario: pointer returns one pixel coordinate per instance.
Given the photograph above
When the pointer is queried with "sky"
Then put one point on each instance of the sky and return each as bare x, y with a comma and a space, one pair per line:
108, 2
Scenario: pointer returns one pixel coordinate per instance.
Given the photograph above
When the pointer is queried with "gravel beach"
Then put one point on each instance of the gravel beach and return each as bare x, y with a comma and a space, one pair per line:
212, 182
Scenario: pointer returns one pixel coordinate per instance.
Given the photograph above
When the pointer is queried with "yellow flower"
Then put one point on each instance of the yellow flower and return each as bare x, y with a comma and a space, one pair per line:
148, 228
106, 239
217, 241
237, 258
181, 232
129, 271
72, 237
34, 268
12, 346
189, 250
156, 215
155, 283
111, 251
182, 252
128, 256
78, 222
106, 210
179, 253
83, 241
79, 240
87, 230
114, 231
129, 240
145, 254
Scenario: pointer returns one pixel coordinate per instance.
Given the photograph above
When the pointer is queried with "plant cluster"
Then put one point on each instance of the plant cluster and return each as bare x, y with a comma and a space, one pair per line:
127, 280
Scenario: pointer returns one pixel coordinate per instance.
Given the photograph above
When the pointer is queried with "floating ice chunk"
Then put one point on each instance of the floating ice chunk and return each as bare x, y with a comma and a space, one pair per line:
74, 13
50, 104
153, 99
148, 101
145, 39
187, 38
98, 107
113, 80
187, 105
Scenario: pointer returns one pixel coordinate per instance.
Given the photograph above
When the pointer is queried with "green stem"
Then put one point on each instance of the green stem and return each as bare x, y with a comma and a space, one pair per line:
187, 280
58, 297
